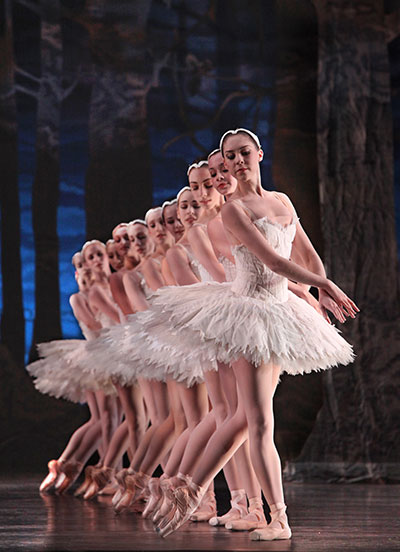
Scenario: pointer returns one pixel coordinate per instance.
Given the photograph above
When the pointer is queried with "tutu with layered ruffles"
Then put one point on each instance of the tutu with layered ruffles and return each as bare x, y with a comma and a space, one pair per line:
189, 328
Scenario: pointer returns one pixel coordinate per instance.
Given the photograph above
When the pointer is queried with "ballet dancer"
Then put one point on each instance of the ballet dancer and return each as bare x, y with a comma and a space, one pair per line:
256, 324
53, 377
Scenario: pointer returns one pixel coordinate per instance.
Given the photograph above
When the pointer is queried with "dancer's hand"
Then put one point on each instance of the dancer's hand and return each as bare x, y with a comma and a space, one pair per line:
333, 299
310, 299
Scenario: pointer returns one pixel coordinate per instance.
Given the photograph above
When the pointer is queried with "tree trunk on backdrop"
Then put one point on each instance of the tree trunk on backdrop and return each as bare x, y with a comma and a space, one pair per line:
12, 318
356, 433
295, 173
118, 183
47, 323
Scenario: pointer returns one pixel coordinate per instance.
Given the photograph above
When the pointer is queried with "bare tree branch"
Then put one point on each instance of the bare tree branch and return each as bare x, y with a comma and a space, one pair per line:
68, 91
26, 91
27, 75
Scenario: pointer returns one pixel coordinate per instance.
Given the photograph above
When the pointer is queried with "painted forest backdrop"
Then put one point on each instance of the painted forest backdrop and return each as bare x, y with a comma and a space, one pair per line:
103, 105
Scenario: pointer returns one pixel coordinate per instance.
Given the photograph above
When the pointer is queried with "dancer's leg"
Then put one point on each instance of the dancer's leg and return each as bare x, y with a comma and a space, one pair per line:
108, 408
165, 434
195, 405
78, 437
132, 403
257, 388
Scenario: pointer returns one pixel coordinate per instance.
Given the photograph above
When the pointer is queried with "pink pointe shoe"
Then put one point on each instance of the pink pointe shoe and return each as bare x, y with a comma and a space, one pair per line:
100, 478
207, 508
186, 500
166, 501
255, 519
135, 483
278, 529
51, 477
86, 482
70, 473
154, 498
120, 479
238, 509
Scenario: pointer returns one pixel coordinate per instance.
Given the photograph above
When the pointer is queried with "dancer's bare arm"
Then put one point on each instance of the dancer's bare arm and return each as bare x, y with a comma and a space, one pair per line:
204, 252
238, 223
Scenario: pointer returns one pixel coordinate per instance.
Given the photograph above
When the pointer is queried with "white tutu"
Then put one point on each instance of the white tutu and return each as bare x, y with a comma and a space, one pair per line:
189, 328
59, 372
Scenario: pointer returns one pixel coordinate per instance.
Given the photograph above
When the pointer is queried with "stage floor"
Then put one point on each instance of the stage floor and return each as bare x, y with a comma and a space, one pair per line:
323, 517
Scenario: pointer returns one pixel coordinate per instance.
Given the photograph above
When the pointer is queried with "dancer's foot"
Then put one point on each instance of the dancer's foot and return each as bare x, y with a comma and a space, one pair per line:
50, 479
70, 473
110, 489
167, 487
86, 482
186, 500
120, 479
154, 498
135, 484
238, 509
255, 519
127, 495
166, 501
207, 508
278, 529
101, 476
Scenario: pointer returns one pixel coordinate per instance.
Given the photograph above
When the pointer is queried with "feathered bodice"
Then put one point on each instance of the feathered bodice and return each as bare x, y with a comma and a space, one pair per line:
253, 277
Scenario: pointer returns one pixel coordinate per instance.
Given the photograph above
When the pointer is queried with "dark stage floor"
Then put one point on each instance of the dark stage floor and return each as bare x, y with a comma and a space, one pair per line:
323, 517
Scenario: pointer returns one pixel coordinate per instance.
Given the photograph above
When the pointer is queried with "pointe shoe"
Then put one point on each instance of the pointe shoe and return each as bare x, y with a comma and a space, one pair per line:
100, 478
50, 479
70, 473
110, 489
237, 511
154, 498
128, 495
166, 501
186, 500
255, 519
120, 479
278, 529
86, 482
206, 509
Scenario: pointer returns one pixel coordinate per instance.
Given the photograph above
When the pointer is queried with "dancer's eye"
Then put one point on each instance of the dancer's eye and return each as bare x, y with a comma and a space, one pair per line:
230, 156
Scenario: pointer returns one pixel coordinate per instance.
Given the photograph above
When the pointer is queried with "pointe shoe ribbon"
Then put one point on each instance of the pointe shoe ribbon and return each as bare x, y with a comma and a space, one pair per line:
255, 519
278, 529
206, 509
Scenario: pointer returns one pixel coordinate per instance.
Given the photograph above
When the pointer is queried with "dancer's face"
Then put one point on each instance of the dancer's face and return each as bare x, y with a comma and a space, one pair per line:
188, 209
96, 259
203, 189
156, 226
77, 261
221, 179
242, 156
172, 223
140, 242
121, 238
113, 258
84, 280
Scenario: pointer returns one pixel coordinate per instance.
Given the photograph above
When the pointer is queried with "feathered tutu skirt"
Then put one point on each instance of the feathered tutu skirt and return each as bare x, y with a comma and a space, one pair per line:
189, 328
59, 372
